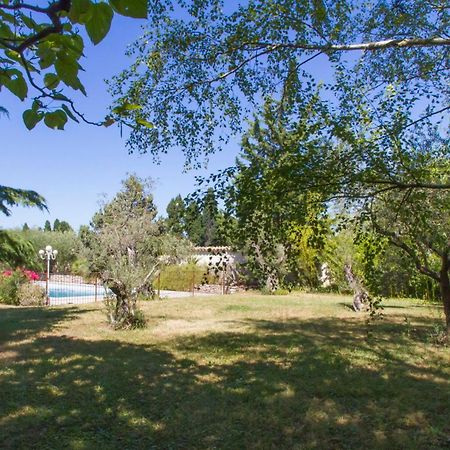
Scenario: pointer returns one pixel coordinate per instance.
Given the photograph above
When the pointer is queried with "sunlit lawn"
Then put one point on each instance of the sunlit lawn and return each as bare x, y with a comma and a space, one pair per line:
232, 372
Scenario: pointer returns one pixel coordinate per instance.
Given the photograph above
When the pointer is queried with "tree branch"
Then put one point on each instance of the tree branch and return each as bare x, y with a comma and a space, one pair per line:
433, 113
365, 46
242, 64
415, 185
46, 94
395, 240
52, 12
18, 6
35, 38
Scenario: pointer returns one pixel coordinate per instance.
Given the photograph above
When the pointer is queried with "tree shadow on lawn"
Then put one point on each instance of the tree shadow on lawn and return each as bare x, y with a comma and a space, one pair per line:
292, 384
18, 323
387, 305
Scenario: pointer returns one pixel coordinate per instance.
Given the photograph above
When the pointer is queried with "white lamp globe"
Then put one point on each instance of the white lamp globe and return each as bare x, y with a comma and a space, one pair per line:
48, 248
55, 252
41, 252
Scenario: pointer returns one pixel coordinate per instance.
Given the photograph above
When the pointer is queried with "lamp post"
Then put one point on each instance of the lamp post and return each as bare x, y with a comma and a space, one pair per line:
48, 254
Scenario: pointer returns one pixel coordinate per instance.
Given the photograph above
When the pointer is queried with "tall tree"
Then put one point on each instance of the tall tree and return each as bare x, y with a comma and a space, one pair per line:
65, 227
277, 223
175, 216
396, 179
56, 225
194, 224
47, 226
210, 213
126, 249
62, 226
418, 223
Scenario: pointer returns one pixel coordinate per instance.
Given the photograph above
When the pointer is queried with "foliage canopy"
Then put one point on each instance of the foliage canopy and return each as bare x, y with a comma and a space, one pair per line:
202, 67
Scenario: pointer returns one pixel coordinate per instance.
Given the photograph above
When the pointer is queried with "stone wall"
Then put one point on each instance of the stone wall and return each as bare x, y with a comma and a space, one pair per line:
217, 289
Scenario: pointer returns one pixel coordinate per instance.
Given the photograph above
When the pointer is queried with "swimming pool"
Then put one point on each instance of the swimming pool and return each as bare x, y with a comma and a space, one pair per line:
62, 293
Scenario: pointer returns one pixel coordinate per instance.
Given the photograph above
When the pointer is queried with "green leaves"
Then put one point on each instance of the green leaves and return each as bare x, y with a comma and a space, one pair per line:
31, 118
46, 44
15, 251
56, 119
99, 22
67, 70
79, 11
319, 12
14, 81
126, 107
69, 113
11, 197
51, 80
145, 123
97, 16
131, 8
63, 53
18, 87
46, 54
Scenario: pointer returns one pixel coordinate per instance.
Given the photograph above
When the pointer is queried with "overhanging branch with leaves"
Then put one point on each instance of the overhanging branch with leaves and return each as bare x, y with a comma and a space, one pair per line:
41, 48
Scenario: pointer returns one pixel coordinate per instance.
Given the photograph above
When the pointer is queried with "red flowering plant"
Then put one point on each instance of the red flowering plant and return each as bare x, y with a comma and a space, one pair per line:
11, 282
30, 275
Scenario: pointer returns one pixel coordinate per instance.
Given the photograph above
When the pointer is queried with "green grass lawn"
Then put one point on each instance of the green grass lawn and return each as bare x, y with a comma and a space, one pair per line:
233, 372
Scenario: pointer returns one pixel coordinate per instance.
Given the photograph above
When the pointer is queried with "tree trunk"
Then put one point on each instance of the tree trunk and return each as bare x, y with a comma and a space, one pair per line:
272, 282
444, 284
360, 295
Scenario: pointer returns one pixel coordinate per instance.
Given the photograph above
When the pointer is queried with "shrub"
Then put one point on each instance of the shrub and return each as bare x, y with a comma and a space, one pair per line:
29, 294
10, 282
279, 291
438, 335
81, 267
181, 277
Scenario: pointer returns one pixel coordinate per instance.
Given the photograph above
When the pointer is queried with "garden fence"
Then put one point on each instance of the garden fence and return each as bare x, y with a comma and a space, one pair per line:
62, 288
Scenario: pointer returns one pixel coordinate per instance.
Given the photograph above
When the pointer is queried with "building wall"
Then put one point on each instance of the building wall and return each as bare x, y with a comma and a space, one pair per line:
214, 255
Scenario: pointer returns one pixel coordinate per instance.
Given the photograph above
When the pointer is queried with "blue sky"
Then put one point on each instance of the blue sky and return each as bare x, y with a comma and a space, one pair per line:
74, 167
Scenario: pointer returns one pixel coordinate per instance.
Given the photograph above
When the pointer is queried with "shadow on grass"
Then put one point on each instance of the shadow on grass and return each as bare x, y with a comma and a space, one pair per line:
386, 304
347, 306
17, 324
292, 384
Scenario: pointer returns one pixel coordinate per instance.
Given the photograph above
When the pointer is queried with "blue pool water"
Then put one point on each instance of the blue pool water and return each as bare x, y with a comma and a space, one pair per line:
57, 290
75, 291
